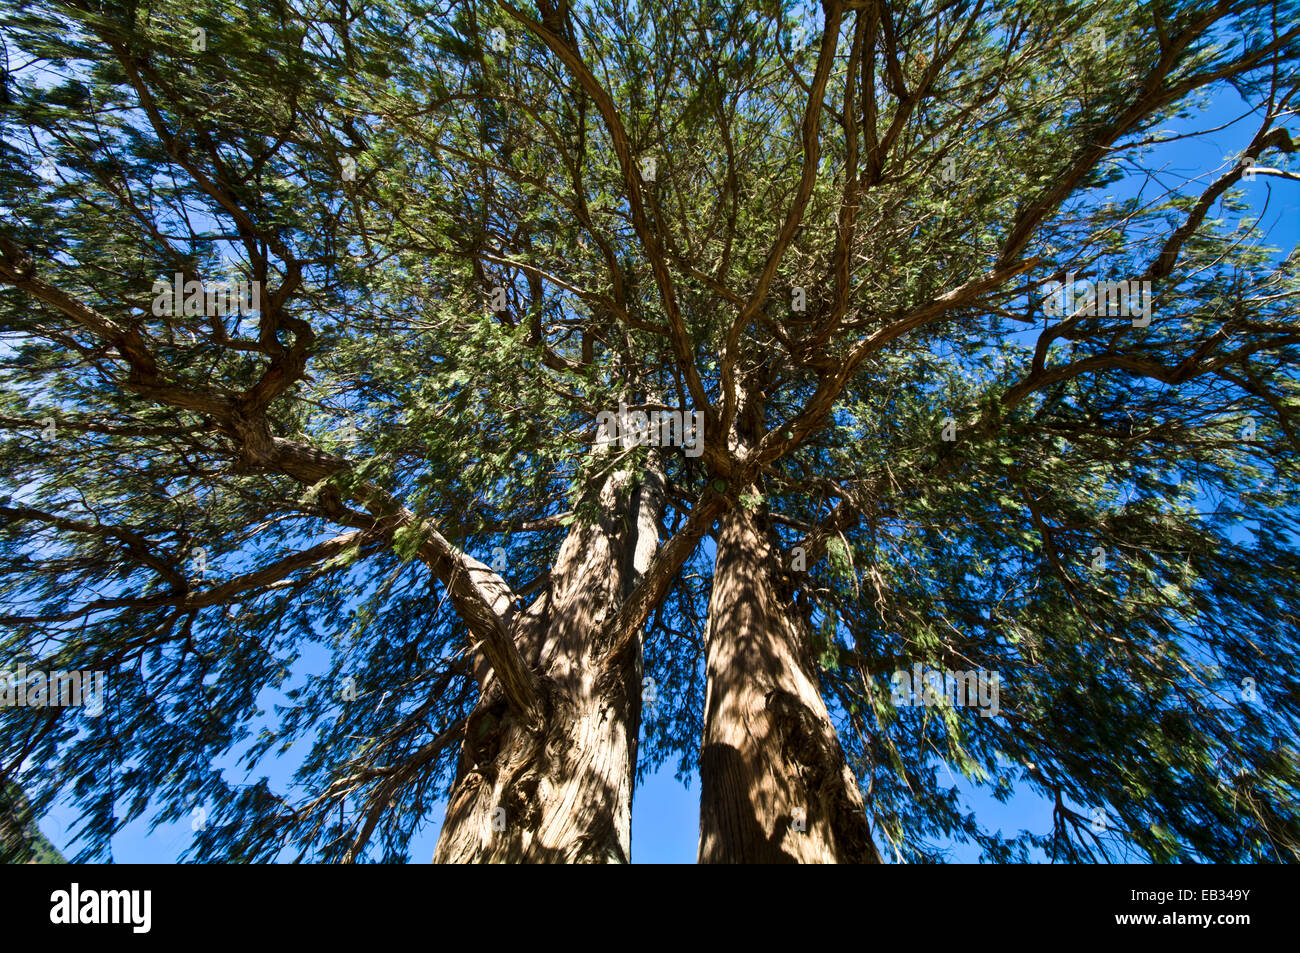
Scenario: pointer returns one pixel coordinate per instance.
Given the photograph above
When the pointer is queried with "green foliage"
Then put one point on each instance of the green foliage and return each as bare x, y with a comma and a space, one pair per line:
21, 840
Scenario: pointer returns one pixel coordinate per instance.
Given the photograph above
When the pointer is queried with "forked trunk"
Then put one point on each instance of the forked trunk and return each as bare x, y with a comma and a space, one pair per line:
775, 784
563, 793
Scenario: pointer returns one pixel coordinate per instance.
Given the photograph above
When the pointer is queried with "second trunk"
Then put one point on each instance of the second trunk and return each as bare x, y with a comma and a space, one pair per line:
775, 787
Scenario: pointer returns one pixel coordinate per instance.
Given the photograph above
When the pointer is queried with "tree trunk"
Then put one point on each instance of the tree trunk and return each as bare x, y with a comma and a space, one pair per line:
775, 786
562, 791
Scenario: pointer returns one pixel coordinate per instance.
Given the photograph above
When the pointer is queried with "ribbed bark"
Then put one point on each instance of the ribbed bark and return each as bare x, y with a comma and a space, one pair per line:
562, 792
775, 786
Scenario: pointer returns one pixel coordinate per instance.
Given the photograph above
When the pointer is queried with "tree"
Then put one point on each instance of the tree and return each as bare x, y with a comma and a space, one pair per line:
21, 840
425, 481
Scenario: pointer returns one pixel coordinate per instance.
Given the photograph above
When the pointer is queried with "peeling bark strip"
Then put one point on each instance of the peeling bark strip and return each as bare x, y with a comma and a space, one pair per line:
561, 791
775, 785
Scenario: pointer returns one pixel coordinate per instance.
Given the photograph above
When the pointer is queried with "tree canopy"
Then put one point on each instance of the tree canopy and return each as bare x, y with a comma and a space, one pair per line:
471, 227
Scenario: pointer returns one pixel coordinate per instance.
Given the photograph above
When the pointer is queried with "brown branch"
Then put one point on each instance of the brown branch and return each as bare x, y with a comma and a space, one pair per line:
621, 632
679, 337
808, 176
481, 597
